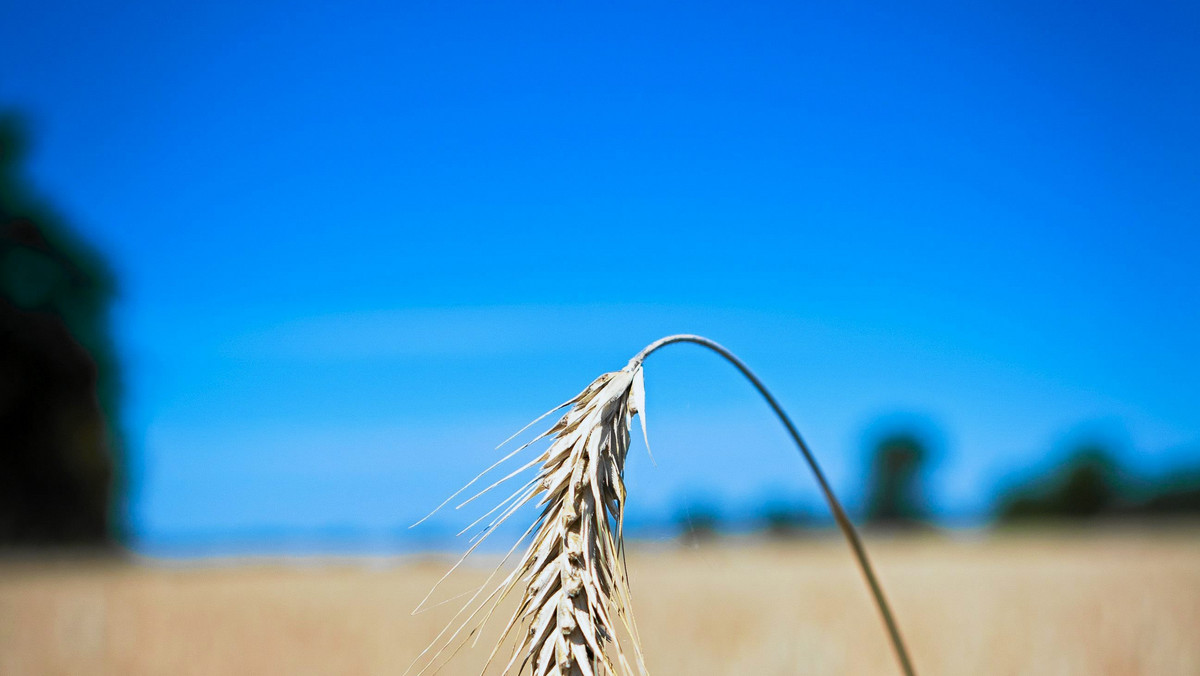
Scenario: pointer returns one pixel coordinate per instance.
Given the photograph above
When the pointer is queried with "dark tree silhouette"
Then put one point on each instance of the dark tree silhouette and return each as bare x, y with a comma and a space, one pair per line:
1091, 485
1177, 495
698, 521
783, 520
1085, 487
895, 497
58, 390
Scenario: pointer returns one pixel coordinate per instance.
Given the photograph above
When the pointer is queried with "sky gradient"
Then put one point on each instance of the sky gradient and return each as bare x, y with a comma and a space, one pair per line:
360, 245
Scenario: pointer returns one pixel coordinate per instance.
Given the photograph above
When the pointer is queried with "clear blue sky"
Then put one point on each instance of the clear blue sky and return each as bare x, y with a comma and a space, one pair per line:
360, 243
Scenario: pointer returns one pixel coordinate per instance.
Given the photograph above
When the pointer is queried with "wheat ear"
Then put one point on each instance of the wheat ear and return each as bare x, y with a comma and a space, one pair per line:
572, 576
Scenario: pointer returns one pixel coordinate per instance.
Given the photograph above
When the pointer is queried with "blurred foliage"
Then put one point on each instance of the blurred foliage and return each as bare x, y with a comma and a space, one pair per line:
895, 492
782, 520
1084, 487
58, 372
1177, 495
698, 521
1091, 485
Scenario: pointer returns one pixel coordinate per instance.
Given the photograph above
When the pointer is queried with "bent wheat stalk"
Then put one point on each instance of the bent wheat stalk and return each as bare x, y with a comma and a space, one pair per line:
571, 576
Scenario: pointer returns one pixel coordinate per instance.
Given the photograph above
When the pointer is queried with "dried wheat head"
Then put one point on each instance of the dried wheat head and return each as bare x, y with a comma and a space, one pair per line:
571, 576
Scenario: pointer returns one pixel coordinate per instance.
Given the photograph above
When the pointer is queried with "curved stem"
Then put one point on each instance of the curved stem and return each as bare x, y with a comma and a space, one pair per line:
839, 514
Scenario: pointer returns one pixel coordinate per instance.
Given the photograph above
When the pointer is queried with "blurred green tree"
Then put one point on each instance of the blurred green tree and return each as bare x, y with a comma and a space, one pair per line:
782, 519
58, 373
1084, 487
895, 496
698, 521
1175, 495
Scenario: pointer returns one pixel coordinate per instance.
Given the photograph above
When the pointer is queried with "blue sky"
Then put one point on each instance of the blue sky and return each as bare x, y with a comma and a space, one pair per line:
359, 244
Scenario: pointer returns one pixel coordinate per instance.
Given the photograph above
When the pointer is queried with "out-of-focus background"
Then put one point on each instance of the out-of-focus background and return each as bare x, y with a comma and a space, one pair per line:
276, 278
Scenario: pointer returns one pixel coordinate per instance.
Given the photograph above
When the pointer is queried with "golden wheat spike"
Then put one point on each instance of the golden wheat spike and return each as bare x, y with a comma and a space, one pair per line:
571, 578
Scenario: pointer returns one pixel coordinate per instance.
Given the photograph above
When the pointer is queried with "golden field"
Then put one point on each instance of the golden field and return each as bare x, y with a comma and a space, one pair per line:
1039, 603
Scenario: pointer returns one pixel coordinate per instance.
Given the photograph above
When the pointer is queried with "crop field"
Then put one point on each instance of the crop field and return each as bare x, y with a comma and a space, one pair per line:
1035, 603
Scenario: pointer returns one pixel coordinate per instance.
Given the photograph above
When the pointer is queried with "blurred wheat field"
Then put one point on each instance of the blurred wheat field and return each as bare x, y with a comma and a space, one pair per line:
1011, 604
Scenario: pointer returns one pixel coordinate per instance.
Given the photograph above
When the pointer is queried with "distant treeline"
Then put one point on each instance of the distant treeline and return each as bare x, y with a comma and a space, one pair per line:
1089, 485
1092, 485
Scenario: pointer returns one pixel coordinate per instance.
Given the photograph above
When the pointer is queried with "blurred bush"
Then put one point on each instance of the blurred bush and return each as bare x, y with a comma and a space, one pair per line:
783, 520
698, 521
1084, 487
1091, 485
